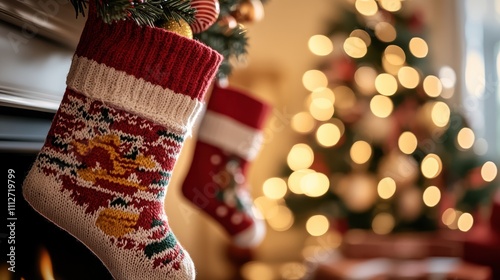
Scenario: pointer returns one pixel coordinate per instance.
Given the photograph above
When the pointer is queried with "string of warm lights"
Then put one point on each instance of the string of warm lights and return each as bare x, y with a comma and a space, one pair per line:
325, 116
327, 100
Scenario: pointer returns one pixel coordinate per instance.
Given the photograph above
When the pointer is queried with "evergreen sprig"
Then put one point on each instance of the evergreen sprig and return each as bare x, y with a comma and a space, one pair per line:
232, 44
143, 12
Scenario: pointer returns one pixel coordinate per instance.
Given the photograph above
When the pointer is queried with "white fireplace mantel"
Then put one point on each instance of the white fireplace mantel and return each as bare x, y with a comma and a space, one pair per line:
37, 40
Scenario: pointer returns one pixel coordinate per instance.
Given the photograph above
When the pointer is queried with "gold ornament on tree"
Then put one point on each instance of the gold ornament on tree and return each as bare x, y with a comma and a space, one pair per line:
180, 27
227, 23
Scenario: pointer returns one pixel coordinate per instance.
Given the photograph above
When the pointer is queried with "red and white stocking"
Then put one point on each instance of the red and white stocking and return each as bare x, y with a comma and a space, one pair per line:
229, 139
132, 95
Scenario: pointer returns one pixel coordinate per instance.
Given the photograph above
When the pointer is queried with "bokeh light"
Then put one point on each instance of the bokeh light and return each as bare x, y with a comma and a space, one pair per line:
465, 222
321, 109
301, 156
355, 47
283, 219
395, 55
328, 135
317, 225
295, 179
320, 45
383, 223
323, 93
449, 216
465, 138
418, 47
302, 122
390, 5
366, 7
408, 77
431, 196
386, 188
360, 152
386, 84
432, 86
440, 114
431, 166
314, 79
314, 184
381, 106
407, 142
274, 188
489, 171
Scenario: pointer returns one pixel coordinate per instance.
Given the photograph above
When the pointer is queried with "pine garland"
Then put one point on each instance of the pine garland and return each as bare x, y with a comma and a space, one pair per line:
232, 44
143, 12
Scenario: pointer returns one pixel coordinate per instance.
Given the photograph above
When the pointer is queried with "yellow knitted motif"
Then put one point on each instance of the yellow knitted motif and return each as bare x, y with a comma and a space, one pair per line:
116, 222
121, 166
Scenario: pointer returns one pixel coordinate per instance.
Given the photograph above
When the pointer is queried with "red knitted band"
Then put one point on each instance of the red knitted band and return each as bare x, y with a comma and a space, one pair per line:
238, 105
156, 55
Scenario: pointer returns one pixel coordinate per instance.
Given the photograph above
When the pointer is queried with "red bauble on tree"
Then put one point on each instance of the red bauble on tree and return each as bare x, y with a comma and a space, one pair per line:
206, 15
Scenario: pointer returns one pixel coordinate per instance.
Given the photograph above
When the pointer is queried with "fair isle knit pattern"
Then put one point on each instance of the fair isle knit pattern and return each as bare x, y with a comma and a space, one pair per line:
115, 166
133, 94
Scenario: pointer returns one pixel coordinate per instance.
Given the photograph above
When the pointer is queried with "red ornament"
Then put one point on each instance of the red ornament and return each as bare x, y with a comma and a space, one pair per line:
206, 15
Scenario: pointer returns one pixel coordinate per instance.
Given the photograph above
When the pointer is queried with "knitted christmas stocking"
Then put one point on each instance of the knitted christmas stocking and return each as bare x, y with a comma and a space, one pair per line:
229, 138
132, 95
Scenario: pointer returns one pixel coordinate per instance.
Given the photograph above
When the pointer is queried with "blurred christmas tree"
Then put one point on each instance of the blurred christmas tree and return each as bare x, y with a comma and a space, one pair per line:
381, 149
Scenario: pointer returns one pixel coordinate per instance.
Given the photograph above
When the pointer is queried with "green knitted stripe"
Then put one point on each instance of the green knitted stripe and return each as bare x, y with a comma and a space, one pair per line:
159, 246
